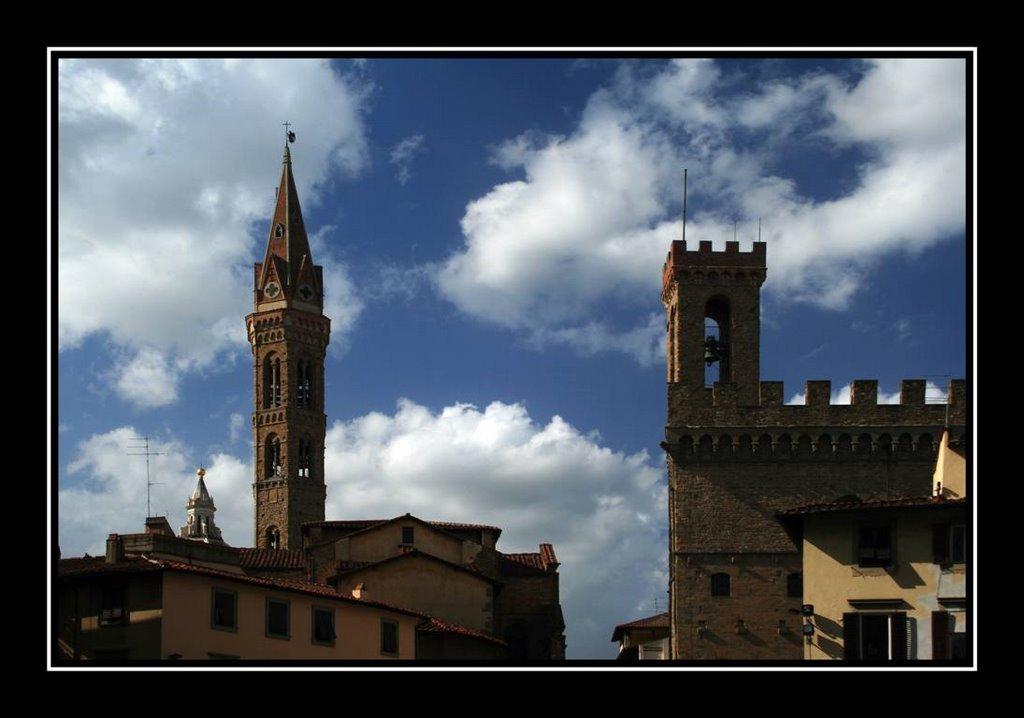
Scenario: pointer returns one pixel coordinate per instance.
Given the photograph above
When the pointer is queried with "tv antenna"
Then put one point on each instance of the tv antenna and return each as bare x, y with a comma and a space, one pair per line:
144, 451
684, 204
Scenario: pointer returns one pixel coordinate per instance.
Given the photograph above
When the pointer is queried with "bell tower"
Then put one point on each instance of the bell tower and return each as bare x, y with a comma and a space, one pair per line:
713, 300
288, 333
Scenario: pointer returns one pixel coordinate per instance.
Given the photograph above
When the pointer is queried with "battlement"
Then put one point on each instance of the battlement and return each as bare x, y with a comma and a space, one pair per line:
718, 407
728, 265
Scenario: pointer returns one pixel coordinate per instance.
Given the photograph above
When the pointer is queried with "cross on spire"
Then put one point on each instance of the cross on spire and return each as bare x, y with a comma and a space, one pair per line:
289, 136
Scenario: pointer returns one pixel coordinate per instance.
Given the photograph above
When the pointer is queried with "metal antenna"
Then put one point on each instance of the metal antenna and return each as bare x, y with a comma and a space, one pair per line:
684, 204
758, 229
734, 230
147, 453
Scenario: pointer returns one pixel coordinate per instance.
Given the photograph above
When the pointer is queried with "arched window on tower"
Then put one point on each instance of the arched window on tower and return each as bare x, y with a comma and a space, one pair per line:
717, 341
271, 381
273, 538
305, 384
272, 457
305, 458
279, 230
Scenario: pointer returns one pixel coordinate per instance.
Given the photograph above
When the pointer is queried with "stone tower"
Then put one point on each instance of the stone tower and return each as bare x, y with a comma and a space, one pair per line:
737, 455
288, 333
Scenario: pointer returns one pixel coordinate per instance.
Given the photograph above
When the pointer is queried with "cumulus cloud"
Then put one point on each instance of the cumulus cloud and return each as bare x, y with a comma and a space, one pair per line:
161, 174
402, 155
103, 489
603, 510
587, 224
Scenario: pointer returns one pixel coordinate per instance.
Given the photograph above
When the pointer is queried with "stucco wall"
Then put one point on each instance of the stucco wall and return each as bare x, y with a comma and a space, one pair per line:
186, 628
380, 543
832, 576
424, 585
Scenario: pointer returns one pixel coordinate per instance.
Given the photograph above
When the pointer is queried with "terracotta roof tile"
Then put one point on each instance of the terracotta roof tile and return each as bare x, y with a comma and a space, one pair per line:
360, 524
908, 502
435, 625
658, 621
266, 558
88, 565
524, 564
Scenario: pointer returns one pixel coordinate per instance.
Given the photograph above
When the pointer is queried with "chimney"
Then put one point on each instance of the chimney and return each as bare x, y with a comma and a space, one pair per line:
115, 549
360, 591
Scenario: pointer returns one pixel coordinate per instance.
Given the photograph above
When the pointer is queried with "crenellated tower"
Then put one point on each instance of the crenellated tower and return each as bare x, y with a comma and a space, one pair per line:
737, 456
288, 333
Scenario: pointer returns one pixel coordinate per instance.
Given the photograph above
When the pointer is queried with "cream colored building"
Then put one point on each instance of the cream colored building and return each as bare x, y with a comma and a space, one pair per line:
128, 607
888, 579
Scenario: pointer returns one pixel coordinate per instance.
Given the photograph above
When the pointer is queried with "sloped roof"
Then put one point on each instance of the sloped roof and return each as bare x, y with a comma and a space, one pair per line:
350, 567
526, 564
363, 524
906, 502
650, 622
436, 625
267, 558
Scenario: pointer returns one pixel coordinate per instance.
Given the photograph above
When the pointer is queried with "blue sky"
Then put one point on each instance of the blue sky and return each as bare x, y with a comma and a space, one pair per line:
492, 233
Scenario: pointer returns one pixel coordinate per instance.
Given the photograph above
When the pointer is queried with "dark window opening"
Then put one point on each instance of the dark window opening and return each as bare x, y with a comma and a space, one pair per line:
305, 458
389, 637
279, 230
272, 460
277, 618
112, 606
273, 538
224, 610
271, 382
875, 636
407, 534
958, 543
795, 585
305, 384
874, 545
717, 341
720, 584
323, 626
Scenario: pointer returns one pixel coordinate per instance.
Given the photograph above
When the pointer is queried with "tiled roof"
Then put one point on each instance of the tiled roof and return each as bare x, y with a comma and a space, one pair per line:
95, 566
515, 563
524, 564
89, 565
658, 621
360, 524
435, 625
908, 502
266, 558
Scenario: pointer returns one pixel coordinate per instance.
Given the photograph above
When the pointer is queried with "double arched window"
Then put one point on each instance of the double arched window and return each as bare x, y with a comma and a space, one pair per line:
304, 391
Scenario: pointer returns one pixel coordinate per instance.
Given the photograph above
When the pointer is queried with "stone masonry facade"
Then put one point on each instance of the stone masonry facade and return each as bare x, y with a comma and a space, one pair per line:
737, 455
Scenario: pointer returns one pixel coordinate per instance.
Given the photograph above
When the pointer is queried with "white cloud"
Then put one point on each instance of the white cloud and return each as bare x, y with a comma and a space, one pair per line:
902, 327
147, 380
587, 224
103, 489
236, 427
402, 155
604, 511
161, 173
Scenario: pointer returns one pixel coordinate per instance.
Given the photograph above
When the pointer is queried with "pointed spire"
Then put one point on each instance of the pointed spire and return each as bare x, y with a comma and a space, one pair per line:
288, 249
